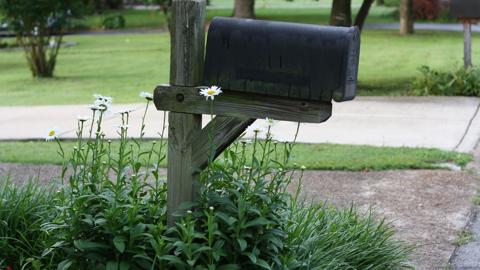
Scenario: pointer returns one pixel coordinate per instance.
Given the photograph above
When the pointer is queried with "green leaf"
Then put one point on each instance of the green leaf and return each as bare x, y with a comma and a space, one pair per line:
242, 243
229, 267
124, 265
119, 243
252, 257
261, 221
64, 265
263, 264
111, 265
84, 245
173, 260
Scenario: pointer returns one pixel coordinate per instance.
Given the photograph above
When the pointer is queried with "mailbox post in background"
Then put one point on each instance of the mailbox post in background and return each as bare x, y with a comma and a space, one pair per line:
468, 12
284, 71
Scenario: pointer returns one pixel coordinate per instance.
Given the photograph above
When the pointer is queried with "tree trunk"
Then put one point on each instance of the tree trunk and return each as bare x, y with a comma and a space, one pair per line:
341, 14
467, 44
406, 17
244, 9
363, 13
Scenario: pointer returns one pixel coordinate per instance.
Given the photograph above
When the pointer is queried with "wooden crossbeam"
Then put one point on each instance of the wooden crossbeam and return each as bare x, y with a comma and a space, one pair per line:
216, 137
239, 104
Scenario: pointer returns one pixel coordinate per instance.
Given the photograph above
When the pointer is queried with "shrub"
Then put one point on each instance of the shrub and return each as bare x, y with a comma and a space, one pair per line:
111, 213
426, 9
460, 82
114, 22
39, 27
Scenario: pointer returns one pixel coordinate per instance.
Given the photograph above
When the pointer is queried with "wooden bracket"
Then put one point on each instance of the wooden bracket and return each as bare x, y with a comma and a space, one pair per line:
240, 104
210, 142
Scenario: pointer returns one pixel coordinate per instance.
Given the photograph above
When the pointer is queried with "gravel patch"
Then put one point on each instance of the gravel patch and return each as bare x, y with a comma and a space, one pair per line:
428, 208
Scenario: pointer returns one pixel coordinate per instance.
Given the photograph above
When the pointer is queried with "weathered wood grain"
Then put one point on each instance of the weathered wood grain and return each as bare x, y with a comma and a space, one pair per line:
239, 104
180, 176
186, 68
188, 42
216, 137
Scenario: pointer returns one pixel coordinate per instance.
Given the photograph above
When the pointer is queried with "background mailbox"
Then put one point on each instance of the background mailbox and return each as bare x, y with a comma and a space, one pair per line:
466, 9
291, 60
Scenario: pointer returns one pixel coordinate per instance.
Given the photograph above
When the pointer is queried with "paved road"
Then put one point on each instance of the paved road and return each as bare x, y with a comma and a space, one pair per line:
450, 123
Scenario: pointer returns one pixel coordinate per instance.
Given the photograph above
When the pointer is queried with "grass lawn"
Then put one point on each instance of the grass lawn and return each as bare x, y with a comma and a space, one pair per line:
313, 156
122, 65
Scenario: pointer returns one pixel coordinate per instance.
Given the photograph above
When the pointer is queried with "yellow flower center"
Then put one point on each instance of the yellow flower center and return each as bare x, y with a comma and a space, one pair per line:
211, 92
51, 133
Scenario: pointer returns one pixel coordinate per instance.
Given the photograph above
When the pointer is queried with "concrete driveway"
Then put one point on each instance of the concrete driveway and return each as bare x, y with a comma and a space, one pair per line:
450, 123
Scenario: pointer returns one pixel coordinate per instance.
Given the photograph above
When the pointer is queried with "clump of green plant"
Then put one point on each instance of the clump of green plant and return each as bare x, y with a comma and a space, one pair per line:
323, 237
113, 206
463, 238
460, 82
114, 22
23, 211
111, 211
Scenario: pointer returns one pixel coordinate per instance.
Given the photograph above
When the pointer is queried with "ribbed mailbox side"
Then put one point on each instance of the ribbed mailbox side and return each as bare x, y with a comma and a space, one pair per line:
293, 60
465, 9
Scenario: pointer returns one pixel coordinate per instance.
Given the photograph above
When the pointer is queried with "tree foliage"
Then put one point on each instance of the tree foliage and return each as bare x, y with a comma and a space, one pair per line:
39, 26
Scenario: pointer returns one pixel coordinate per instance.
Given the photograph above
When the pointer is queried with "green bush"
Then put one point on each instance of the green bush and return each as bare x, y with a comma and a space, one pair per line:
23, 211
114, 22
39, 27
460, 82
111, 213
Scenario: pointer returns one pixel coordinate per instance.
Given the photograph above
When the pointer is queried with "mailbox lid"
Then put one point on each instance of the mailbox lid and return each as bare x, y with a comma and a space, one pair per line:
294, 60
465, 9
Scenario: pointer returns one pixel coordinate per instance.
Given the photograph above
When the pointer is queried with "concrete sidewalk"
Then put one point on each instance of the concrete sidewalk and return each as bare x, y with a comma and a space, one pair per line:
450, 123
453, 27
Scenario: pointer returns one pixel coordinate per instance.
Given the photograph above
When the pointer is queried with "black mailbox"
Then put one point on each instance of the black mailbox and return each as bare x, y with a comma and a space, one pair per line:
465, 9
299, 61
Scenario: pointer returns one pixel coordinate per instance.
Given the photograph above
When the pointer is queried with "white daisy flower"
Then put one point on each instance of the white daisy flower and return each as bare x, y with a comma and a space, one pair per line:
146, 95
211, 92
52, 134
254, 129
103, 103
94, 107
103, 98
82, 118
270, 122
125, 111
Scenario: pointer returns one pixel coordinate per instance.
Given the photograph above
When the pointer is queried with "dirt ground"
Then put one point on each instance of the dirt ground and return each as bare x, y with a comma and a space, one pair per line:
428, 208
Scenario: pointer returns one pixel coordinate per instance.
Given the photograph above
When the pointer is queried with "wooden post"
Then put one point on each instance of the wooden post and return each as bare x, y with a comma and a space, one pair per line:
186, 69
467, 44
